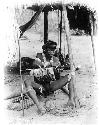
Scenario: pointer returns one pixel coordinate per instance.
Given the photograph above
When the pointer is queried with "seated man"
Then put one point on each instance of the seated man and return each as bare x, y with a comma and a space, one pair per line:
46, 79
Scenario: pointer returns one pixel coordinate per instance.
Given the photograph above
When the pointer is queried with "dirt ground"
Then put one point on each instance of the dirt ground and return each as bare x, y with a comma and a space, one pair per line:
86, 87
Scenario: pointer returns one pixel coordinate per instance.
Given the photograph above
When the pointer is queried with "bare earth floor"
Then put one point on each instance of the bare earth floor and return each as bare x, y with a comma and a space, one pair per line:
86, 88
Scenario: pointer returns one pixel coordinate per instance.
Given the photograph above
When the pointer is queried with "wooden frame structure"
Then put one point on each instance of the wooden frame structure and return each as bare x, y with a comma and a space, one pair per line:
46, 9
62, 8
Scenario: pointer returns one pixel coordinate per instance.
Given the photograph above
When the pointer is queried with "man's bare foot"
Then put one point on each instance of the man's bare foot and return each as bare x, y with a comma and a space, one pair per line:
70, 103
41, 110
77, 102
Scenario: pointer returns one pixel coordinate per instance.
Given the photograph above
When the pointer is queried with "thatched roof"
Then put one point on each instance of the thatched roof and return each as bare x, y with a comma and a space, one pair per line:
78, 15
47, 7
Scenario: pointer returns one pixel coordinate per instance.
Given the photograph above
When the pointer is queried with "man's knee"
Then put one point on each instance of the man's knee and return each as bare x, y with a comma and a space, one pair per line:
27, 83
29, 87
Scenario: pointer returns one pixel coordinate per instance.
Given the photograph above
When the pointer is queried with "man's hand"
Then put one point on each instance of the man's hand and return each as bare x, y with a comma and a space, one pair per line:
41, 89
69, 76
47, 65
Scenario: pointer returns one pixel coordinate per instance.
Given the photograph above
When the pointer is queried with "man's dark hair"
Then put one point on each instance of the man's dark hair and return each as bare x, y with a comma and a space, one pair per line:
49, 45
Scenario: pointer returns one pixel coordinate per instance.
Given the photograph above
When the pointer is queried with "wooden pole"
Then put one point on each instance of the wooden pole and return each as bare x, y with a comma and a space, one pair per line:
58, 27
29, 24
45, 26
72, 94
92, 32
60, 30
21, 79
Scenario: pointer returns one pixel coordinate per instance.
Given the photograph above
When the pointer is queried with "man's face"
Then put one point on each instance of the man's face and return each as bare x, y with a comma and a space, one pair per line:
50, 52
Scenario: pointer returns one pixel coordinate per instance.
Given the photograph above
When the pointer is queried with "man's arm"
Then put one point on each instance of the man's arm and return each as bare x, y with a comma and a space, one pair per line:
38, 62
55, 62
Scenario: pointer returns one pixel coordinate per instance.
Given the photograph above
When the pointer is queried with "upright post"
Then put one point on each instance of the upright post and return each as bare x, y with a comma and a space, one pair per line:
58, 27
92, 32
21, 78
72, 68
60, 30
45, 26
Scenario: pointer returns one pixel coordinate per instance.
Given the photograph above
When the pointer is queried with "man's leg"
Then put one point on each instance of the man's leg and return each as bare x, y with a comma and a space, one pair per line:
65, 91
71, 95
32, 93
59, 84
